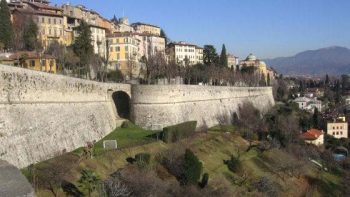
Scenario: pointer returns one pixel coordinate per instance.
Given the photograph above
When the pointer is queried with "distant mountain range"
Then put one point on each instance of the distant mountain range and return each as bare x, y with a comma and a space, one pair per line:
331, 60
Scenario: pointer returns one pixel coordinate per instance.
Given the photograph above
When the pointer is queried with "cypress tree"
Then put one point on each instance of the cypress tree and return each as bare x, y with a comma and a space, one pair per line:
6, 29
223, 56
30, 35
193, 168
82, 46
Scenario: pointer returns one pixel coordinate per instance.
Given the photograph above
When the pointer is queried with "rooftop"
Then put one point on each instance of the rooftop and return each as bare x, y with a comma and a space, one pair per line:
312, 134
139, 23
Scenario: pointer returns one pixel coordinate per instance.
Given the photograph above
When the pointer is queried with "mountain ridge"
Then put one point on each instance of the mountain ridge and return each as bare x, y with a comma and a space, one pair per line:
333, 60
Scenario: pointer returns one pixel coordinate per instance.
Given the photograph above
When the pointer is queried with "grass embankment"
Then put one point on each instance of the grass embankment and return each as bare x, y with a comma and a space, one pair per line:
212, 149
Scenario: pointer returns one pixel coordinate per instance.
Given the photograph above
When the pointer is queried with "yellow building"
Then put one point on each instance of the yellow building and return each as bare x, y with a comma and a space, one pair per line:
49, 20
252, 61
123, 54
31, 60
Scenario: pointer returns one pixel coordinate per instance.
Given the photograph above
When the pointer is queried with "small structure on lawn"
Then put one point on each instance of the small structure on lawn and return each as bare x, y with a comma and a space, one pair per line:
110, 144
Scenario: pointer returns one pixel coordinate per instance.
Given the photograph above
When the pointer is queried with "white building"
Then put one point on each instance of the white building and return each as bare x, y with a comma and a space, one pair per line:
308, 104
338, 129
313, 136
183, 53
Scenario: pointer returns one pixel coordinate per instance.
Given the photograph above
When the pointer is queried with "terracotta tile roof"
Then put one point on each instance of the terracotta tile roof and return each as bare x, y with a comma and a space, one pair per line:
312, 134
44, 6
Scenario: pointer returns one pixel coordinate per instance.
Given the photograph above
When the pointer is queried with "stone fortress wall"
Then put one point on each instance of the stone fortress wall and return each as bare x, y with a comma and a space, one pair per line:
155, 107
44, 115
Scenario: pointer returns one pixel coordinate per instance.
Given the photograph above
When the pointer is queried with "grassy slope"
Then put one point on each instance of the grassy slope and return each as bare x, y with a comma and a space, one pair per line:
212, 149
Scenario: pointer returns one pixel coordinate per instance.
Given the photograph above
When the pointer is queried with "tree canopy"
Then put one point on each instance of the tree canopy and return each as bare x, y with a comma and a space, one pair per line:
223, 56
6, 29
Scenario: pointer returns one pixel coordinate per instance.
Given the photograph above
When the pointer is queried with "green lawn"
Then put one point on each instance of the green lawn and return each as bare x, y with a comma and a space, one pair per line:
127, 137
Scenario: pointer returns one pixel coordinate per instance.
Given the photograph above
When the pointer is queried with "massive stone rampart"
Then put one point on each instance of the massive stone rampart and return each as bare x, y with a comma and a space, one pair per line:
44, 115
154, 107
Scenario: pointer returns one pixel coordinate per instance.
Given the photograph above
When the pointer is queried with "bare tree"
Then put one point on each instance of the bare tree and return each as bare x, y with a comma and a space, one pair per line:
116, 188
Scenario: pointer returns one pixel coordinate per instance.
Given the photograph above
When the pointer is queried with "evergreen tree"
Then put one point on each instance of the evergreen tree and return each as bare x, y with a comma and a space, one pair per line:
30, 35
268, 79
327, 81
316, 118
223, 57
6, 28
83, 48
209, 55
164, 35
193, 168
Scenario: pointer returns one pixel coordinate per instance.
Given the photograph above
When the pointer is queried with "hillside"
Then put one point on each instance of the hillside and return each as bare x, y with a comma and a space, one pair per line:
212, 149
331, 60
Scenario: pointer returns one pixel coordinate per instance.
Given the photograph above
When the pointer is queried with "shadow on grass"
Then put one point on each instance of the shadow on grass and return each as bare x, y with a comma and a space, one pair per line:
326, 188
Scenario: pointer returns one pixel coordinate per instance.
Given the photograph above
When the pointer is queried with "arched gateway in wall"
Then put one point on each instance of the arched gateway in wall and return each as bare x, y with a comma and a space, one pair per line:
122, 104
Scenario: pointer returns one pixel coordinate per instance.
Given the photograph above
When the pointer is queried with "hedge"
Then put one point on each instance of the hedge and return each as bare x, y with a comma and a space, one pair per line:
177, 132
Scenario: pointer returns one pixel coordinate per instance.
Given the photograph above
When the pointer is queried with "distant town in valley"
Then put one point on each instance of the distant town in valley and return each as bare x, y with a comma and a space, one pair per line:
91, 106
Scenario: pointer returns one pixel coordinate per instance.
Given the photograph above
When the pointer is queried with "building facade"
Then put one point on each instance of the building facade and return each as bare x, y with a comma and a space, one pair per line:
30, 60
144, 28
124, 54
49, 19
184, 53
338, 128
99, 26
232, 61
253, 61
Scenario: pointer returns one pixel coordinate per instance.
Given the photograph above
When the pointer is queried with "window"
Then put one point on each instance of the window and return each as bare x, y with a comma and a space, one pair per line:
126, 55
49, 20
32, 63
118, 56
49, 31
111, 49
333, 133
54, 21
126, 48
117, 49
43, 19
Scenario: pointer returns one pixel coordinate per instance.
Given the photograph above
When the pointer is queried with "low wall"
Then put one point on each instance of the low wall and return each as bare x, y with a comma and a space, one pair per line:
155, 107
43, 115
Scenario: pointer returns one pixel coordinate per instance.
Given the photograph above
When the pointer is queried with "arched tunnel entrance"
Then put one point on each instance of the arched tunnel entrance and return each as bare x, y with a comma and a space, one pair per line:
122, 103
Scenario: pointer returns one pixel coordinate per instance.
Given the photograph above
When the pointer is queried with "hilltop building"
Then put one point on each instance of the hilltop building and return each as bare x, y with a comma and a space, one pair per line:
128, 44
49, 19
144, 28
253, 62
99, 26
232, 61
184, 53
338, 128
308, 104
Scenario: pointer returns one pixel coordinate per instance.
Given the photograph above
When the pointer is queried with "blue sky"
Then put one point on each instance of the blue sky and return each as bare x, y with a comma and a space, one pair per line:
267, 28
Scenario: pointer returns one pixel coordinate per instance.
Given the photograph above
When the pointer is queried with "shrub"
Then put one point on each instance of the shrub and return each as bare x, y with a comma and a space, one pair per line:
204, 181
143, 159
177, 132
192, 168
130, 160
233, 164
